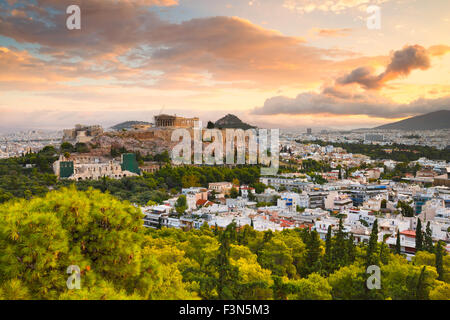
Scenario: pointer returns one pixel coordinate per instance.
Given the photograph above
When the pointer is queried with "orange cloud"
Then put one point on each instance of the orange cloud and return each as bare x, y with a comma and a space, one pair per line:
401, 64
339, 32
438, 50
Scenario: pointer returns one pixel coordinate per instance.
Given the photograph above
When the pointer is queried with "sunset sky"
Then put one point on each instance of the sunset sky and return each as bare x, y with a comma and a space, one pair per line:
273, 63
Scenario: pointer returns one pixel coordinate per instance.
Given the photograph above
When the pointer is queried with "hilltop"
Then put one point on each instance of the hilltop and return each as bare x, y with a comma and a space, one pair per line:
231, 121
429, 121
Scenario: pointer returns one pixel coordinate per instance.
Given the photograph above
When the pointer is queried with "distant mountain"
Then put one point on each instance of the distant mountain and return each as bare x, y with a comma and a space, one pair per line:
231, 121
429, 121
128, 125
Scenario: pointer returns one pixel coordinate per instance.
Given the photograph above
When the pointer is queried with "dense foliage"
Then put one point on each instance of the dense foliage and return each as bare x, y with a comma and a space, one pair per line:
18, 181
31, 174
120, 259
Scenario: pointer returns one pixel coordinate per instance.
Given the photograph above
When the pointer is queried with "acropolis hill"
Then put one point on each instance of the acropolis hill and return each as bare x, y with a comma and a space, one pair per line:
143, 138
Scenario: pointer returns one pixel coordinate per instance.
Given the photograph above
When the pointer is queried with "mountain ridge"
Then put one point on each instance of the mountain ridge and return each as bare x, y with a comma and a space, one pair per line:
429, 121
127, 125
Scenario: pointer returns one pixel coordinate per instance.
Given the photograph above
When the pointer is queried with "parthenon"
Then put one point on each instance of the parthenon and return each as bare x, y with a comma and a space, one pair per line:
165, 120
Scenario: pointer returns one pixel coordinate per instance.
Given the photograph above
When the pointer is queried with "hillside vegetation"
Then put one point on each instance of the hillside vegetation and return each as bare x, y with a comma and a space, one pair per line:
120, 259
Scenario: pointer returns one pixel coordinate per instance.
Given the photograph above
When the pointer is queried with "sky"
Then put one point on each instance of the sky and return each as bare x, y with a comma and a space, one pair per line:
273, 63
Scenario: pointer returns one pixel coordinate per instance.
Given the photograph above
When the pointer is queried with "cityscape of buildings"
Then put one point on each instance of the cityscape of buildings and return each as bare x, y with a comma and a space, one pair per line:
353, 188
18, 143
358, 197
231, 152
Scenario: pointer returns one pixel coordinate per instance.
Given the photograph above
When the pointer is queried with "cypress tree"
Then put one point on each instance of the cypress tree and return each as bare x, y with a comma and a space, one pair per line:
227, 273
351, 250
104, 184
439, 260
159, 223
372, 257
428, 238
419, 236
328, 259
398, 246
339, 246
421, 290
313, 253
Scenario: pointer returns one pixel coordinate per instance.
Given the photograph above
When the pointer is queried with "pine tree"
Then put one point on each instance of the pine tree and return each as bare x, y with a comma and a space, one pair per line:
439, 260
398, 246
419, 236
428, 238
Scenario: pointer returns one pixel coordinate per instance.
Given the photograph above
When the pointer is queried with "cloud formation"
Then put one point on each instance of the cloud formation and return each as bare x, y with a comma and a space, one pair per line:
124, 40
339, 100
336, 6
341, 103
126, 56
402, 63
338, 32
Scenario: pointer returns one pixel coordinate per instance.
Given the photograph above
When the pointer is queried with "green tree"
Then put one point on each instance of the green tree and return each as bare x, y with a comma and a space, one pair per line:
14, 289
351, 249
398, 246
403, 281
428, 239
66, 147
439, 251
151, 203
234, 193
93, 230
313, 253
227, 273
440, 292
190, 181
314, 287
339, 247
406, 209
181, 204
328, 258
259, 187
276, 256
348, 283
372, 248
419, 235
